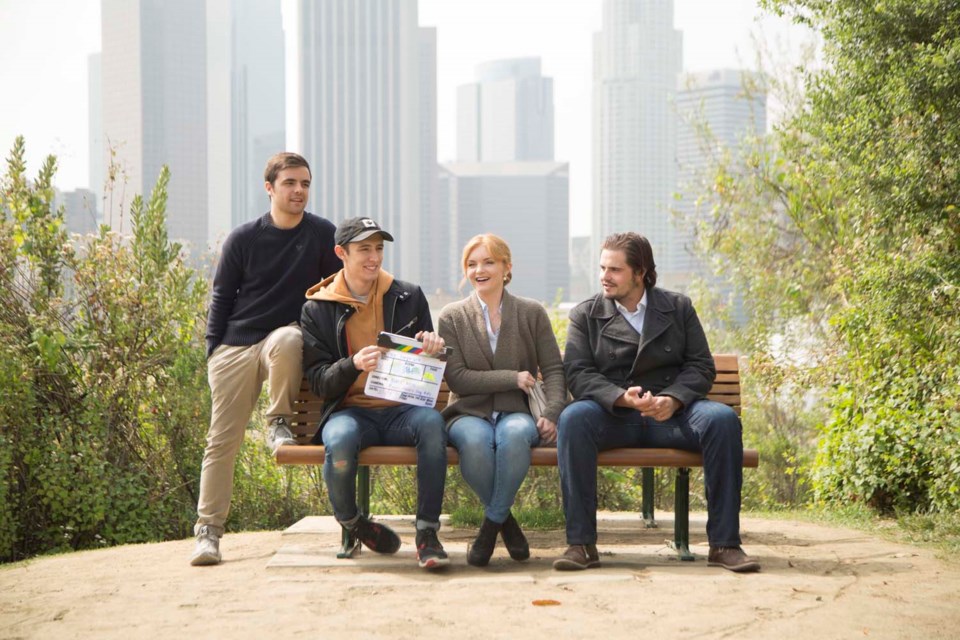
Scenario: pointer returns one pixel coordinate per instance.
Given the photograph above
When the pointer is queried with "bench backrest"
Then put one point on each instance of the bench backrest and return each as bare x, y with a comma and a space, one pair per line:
308, 407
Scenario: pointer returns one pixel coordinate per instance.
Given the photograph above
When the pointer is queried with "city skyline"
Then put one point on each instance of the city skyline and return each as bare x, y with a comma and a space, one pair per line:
637, 58
154, 110
53, 74
505, 180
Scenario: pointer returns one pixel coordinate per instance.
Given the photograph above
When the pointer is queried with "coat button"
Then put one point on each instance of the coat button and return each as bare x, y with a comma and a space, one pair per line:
612, 355
667, 378
667, 348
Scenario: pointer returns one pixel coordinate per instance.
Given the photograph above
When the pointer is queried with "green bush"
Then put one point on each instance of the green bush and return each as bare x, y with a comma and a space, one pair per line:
104, 403
841, 231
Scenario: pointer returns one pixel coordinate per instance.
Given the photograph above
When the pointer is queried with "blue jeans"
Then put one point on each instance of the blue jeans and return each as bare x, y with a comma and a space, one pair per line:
494, 458
585, 429
351, 430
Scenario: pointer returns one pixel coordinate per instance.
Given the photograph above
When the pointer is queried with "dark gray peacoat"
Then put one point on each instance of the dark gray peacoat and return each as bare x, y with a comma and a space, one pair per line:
605, 355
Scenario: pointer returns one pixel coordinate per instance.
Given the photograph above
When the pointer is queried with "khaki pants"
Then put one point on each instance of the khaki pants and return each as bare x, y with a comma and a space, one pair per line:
236, 375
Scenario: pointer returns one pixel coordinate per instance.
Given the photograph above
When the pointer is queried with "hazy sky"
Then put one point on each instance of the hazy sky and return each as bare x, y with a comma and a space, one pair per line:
44, 46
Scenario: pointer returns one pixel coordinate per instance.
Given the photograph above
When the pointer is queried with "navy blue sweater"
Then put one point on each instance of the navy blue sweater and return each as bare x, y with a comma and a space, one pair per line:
263, 275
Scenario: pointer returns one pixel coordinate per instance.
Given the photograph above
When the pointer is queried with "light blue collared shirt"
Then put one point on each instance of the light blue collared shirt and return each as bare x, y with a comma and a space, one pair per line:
634, 318
492, 335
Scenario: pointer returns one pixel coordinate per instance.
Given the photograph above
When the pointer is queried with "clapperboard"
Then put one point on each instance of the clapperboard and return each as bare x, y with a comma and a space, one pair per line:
405, 373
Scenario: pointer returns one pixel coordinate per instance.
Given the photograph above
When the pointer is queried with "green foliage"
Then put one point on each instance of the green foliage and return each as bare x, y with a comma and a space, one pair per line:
841, 230
104, 402
471, 516
269, 496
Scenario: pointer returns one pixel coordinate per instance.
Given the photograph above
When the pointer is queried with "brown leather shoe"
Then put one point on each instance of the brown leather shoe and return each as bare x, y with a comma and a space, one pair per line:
577, 557
732, 558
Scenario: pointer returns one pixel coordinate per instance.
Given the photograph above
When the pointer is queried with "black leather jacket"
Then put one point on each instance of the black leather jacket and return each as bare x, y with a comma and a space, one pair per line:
327, 364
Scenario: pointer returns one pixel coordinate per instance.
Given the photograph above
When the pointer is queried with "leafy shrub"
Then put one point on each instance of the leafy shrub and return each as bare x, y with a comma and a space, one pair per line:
104, 402
841, 230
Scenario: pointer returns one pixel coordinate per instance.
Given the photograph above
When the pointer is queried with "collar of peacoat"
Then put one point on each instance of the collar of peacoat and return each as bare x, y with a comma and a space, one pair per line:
657, 318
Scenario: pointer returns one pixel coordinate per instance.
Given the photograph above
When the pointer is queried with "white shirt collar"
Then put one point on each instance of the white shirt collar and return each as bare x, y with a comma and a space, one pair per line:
486, 308
641, 306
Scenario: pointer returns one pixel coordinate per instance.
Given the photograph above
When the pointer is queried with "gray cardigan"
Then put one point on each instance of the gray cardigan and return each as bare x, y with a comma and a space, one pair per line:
481, 382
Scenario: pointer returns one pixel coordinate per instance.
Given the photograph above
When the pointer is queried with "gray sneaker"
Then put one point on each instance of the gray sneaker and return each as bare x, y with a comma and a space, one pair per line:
207, 550
279, 434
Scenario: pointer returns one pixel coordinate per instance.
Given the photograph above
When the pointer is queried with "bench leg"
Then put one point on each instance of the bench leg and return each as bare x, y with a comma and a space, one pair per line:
681, 523
349, 545
648, 520
363, 490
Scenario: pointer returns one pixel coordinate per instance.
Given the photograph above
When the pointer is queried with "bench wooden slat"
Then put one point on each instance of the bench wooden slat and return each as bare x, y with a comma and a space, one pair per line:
726, 363
540, 456
729, 400
721, 388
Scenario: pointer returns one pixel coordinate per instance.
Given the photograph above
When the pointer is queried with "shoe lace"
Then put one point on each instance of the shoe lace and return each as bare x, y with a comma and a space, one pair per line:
428, 539
206, 532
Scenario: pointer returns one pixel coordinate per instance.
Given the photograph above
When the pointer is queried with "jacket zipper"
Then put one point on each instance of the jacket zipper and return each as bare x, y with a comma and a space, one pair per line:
340, 324
407, 326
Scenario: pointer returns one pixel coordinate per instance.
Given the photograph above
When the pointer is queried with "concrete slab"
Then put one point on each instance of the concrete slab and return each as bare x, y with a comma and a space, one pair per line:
308, 554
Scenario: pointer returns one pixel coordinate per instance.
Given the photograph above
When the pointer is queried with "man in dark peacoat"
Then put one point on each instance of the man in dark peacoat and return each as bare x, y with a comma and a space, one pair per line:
639, 367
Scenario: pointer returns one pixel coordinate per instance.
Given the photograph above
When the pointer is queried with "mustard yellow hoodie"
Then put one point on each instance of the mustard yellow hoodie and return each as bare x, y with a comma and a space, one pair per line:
362, 327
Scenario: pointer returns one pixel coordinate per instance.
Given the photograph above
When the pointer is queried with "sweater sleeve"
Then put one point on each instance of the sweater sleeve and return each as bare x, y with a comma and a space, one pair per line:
550, 364
226, 284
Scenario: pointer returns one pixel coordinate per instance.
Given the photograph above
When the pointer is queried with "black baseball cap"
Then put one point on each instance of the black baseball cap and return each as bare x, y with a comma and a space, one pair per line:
357, 229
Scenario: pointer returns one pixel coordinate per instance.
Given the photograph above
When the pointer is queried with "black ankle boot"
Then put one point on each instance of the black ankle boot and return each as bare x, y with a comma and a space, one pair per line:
514, 539
482, 548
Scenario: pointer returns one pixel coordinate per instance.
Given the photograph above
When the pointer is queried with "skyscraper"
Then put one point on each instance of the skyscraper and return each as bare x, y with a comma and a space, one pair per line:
525, 203
360, 117
728, 106
79, 210
95, 126
154, 107
246, 97
506, 181
259, 101
507, 114
435, 227
637, 57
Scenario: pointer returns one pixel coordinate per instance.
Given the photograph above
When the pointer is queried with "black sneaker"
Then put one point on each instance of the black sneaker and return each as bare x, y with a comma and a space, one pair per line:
375, 536
430, 552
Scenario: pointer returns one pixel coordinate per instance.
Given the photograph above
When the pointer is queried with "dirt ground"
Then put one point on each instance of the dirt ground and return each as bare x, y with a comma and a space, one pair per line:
816, 582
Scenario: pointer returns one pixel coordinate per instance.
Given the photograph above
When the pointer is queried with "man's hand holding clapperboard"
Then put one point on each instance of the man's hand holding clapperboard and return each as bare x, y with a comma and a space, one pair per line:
405, 373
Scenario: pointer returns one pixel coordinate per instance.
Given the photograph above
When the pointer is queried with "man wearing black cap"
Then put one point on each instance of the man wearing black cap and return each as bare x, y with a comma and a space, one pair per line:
340, 322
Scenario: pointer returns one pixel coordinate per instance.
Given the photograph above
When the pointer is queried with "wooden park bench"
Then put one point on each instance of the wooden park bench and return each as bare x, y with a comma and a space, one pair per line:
726, 389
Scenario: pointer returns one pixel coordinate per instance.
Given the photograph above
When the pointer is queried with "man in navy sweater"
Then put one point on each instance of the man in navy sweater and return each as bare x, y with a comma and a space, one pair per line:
265, 269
